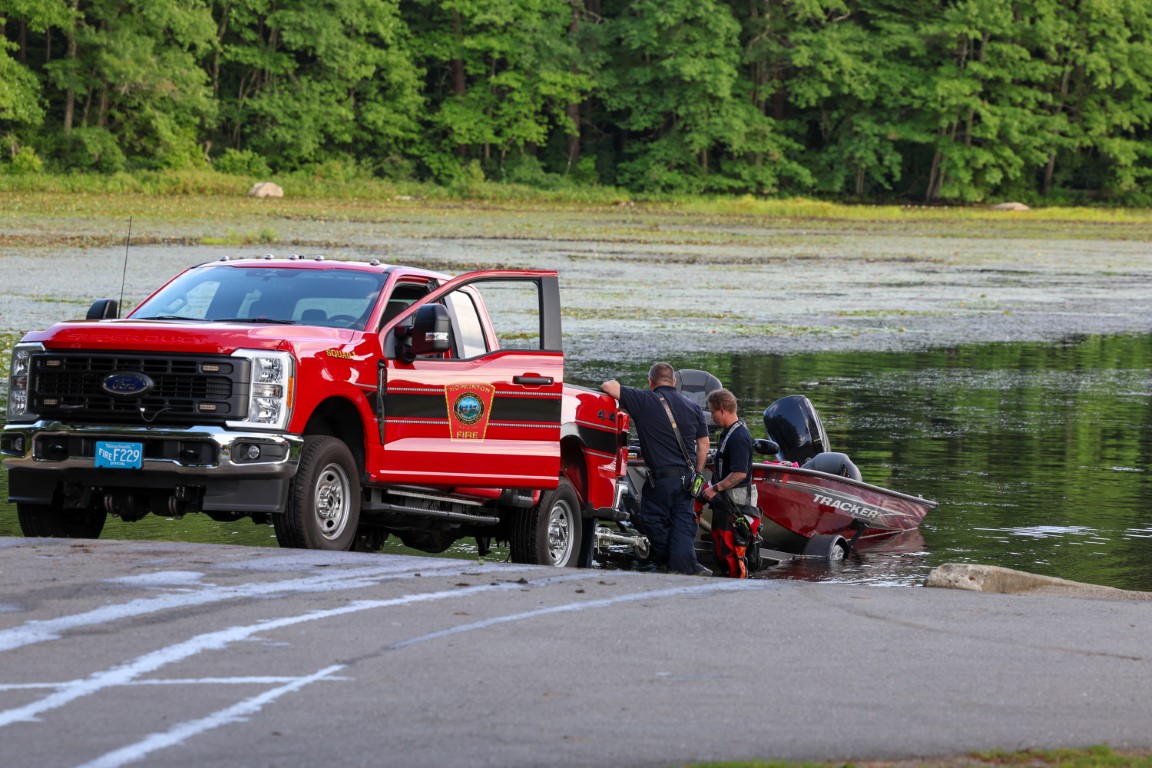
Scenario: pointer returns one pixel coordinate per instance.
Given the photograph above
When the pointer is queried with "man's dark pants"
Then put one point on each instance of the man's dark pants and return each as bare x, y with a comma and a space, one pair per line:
670, 523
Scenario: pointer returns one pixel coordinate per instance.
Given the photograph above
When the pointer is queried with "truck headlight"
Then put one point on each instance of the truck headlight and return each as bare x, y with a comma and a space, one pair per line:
270, 389
19, 382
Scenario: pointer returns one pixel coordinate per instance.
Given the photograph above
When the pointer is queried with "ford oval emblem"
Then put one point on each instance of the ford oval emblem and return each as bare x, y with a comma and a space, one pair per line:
127, 384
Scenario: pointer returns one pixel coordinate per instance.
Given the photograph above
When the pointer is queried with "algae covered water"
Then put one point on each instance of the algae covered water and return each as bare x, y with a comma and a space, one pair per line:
1039, 454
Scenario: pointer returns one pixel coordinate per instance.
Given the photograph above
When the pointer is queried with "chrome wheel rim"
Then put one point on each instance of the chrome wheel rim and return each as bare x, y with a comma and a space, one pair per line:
560, 524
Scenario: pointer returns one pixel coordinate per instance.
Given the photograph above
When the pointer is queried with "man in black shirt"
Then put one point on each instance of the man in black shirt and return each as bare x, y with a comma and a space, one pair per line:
731, 490
666, 513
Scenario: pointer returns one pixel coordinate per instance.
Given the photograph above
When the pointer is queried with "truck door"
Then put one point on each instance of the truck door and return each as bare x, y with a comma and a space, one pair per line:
472, 382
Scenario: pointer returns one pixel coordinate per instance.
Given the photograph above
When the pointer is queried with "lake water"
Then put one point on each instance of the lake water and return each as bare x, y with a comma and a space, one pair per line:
1040, 455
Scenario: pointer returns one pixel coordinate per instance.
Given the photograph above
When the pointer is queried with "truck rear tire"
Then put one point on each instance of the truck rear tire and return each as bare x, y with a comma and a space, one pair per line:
59, 523
550, 532
323, 510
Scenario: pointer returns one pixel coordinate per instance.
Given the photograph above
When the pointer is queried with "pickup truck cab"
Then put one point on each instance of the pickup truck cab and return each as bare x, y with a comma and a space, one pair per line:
341, 401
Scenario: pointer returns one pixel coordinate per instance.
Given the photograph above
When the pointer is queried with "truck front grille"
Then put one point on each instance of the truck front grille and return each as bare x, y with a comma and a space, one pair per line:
75, 387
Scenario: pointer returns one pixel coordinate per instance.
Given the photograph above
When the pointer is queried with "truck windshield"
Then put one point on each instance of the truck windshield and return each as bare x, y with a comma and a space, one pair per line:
336, 298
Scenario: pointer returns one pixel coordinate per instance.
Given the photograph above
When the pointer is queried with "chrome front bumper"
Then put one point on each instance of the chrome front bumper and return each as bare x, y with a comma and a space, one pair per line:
181, 452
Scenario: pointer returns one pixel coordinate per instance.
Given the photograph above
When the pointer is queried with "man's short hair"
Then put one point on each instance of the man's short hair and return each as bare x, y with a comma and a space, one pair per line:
662, 374
721, 400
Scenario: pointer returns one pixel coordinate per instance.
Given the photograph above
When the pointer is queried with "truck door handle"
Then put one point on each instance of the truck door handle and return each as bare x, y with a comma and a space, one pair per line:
533, 381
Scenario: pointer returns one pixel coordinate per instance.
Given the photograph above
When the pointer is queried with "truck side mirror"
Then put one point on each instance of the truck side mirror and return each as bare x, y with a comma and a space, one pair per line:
103, 309
430, 333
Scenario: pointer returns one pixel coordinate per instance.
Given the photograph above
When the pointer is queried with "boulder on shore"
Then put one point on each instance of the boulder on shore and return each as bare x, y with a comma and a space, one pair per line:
265, 189
1010, 207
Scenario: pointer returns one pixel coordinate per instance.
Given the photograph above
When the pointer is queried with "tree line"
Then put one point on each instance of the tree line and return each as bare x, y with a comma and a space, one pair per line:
929, 100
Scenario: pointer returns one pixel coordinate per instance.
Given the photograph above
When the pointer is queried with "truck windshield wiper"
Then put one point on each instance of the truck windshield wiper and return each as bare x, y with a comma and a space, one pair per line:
269, 320
172, 317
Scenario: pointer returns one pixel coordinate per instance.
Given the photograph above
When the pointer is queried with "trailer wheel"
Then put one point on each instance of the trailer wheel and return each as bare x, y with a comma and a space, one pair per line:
323, 510
828, 546
59, 523
550, 532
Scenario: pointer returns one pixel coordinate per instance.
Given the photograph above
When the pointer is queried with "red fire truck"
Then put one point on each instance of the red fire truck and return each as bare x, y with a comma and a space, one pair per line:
342, 402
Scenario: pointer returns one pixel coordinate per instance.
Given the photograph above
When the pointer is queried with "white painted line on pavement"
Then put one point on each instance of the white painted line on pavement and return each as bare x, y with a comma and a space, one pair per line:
127, 674
236, 713
40, 631
712, 586
252, 680
209, 641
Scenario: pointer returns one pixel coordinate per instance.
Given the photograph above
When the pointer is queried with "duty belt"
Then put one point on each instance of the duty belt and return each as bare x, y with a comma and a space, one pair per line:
660, 474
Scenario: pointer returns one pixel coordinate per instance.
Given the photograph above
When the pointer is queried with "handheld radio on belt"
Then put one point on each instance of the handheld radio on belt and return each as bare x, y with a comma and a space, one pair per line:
694, 481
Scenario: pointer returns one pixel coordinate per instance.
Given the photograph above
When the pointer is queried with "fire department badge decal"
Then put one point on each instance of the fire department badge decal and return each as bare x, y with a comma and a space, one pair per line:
469, 409
469, 406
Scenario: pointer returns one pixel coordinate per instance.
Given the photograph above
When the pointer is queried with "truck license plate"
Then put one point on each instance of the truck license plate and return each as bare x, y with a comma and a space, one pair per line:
119, 455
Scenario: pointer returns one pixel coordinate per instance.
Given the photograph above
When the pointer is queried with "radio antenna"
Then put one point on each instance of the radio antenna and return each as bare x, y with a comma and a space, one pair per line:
124, 271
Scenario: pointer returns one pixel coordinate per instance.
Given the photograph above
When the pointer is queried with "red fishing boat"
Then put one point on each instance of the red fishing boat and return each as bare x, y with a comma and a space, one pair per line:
811, 501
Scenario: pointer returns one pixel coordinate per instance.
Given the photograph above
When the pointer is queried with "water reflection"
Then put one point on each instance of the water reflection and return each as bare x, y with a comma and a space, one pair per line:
1039, 454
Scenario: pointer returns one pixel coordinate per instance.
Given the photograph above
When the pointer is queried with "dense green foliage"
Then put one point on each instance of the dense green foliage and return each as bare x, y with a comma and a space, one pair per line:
936, 100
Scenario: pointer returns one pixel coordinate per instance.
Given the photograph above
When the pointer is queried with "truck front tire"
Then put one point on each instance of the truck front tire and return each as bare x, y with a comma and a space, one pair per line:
59, 523
550, 532
323, 510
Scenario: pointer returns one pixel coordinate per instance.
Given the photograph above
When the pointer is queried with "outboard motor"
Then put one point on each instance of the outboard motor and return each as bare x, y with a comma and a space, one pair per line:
696, 385
833, 463
792, 422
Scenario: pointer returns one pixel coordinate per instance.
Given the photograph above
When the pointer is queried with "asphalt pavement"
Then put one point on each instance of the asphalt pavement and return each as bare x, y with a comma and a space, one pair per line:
164, 654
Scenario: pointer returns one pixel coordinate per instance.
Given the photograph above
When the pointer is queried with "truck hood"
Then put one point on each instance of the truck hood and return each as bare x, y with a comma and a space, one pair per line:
194, 338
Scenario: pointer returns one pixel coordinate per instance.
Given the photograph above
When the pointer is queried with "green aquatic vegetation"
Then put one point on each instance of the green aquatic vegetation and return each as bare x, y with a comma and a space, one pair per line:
263, 236
1088, 757
776, 329
650, 313
54, 299
885, 313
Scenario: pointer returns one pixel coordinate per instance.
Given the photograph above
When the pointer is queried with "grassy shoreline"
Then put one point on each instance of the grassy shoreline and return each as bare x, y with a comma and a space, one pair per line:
1100, 756
195, 195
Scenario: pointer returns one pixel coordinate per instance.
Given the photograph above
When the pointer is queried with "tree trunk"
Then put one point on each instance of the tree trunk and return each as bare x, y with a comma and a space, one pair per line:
102, 109
572, 111
221, 30
459, 86
70, 94
1050, 167
1049, 172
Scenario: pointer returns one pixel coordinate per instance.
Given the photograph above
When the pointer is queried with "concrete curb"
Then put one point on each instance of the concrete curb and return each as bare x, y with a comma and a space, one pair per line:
991, 578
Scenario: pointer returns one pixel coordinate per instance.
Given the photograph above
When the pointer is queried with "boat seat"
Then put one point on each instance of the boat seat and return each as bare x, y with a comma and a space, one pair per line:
833, 463
696, 385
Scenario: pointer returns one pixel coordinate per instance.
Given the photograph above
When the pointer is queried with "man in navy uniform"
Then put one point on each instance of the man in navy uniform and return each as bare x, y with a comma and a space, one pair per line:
666, 513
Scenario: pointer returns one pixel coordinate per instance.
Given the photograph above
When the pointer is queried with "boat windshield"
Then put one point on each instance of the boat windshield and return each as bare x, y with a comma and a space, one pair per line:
336, 298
